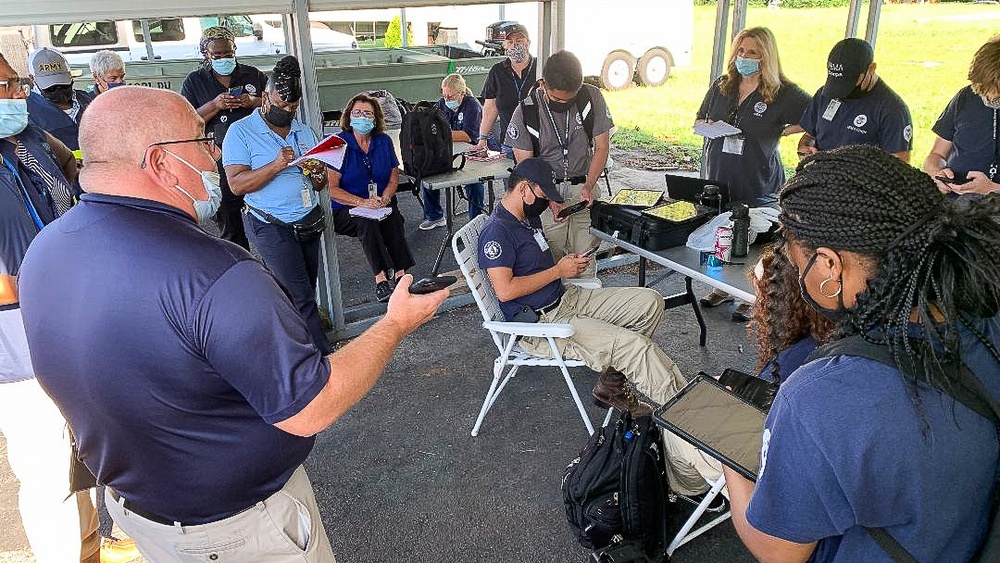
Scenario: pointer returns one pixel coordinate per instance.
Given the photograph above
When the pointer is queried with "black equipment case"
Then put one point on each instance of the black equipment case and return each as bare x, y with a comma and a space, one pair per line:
645, 231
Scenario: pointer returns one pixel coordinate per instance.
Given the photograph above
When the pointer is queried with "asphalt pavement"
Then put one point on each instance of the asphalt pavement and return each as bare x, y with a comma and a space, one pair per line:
400, 479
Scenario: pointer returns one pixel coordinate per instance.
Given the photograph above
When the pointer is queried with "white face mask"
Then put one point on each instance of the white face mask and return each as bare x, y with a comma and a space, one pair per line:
204, 209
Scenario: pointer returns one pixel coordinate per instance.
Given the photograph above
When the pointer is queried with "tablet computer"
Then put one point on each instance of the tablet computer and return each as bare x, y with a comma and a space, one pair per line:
720, 423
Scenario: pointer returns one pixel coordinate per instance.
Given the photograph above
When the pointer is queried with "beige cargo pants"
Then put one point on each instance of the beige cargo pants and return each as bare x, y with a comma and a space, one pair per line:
573, 234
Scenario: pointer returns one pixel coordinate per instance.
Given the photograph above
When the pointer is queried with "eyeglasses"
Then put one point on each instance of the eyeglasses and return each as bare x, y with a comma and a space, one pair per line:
362, 113
208, 143
13, 84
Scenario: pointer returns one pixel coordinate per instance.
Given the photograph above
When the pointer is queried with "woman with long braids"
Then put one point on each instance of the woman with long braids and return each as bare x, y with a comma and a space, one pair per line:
852, 443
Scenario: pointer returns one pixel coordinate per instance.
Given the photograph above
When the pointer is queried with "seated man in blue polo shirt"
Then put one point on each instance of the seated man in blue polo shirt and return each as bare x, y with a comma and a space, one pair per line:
191, 382
613, 325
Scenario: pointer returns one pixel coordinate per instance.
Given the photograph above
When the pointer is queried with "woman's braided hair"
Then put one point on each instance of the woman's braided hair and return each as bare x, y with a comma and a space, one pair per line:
780, 317
933, 263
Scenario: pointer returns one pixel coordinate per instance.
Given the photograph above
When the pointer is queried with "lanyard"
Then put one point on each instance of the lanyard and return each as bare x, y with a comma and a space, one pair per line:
996, 148
369, 166
24, 194
563, 143
519, 88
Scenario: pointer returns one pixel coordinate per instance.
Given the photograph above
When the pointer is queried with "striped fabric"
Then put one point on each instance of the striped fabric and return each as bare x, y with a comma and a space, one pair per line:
62, 195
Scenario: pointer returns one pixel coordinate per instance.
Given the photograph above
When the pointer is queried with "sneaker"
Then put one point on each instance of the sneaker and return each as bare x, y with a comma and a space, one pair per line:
715, 298
718, 505
383, 290
427, 225
742, 313
118, 550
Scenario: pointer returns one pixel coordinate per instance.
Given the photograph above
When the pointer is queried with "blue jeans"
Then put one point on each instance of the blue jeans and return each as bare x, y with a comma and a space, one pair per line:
295, 265
432, 201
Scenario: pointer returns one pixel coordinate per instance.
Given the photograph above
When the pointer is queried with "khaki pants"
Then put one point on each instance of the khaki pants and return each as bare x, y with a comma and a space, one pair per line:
573, 234
284, 528
613, 326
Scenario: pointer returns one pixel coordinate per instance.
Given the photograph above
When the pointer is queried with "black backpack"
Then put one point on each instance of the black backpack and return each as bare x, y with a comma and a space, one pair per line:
617, 487
425, 142
529, 111
970, 392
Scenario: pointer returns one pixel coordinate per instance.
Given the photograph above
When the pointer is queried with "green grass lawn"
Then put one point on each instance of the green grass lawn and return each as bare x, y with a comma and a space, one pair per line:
922, 52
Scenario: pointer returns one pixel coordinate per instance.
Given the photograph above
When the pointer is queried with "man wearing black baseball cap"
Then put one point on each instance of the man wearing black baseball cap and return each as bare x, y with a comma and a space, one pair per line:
855, 107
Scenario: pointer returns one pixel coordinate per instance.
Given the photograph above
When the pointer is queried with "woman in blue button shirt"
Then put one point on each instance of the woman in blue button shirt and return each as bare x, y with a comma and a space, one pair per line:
256, 154
465, 113
369, 177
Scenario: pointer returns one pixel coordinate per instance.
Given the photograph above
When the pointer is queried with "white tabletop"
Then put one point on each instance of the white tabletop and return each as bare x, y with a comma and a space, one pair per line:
471, 173
731, 278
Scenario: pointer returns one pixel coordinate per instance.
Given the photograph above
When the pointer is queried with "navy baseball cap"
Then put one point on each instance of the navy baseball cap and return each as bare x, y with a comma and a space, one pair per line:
848, 60
539, 172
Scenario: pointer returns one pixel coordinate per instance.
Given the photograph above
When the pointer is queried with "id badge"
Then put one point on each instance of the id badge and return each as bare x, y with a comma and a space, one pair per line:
540, 239
306, 197
372, 189
733, 144
831, 110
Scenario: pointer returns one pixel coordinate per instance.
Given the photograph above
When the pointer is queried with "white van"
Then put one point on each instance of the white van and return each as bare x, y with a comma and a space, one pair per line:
171, 38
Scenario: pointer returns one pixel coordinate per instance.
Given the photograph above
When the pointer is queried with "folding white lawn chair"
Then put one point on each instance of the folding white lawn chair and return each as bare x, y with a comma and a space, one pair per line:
685, 534
506, 334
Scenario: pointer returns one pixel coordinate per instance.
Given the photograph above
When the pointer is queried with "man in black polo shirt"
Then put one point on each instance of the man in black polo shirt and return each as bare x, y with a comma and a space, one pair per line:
224, 91
508, 82
192, 384
856, 107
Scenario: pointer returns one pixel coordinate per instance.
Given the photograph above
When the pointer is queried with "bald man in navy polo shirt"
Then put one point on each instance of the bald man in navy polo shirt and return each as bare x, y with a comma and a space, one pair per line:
192, 384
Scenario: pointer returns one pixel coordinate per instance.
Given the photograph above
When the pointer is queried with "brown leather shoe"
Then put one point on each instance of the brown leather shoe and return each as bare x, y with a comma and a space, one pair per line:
716, 298
610, 391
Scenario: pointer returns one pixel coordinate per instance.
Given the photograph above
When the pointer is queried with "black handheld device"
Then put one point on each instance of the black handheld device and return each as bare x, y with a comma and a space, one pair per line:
236, 92
430, 285
955, 181
590, 251
567, 211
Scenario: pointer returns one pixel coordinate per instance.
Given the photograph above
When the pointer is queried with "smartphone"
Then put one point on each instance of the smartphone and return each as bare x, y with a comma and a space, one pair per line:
567, 211
430, 285
955, 181
590, 251
236, 92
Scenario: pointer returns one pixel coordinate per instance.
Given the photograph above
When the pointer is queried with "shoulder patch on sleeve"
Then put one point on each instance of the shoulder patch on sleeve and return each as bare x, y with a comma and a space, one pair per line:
512, 131
908, 133
492, 250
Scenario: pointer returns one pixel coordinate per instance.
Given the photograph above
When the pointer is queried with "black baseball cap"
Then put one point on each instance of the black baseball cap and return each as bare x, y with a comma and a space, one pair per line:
848, 60
538, 171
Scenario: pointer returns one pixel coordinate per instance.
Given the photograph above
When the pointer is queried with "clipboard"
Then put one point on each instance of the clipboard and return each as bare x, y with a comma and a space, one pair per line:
718, 422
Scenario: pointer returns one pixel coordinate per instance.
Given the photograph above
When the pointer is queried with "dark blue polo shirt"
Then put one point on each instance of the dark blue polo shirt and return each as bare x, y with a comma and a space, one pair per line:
21, 202
879, 118
969, 125
466, 117
201, 86
508, 90
171, 353
361, 167
508, 243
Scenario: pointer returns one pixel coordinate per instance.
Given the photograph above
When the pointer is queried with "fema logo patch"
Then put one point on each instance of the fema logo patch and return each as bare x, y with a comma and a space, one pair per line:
579, 120
765, 442
512, 131
860, 120
908, 133
759, 108
434, 129
461, 117
224, 118
251, 89
492, 250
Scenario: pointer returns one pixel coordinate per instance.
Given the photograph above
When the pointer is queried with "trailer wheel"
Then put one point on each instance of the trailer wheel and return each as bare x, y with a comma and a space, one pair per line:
654, 67
617, 71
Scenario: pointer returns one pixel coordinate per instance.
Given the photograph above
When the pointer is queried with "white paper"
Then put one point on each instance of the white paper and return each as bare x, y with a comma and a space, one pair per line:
715, 129
333, 157
376, 214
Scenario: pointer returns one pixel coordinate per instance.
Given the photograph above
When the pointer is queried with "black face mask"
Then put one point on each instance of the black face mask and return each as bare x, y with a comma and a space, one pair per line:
560, 107
536, 208
835, 315
277, 116
59, 95
858, 91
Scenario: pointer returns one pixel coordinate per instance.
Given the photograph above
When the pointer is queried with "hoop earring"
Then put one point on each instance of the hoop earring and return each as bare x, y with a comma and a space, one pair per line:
828, 280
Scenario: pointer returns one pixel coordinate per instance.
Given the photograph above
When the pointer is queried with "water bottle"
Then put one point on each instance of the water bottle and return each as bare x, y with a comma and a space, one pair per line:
741, 230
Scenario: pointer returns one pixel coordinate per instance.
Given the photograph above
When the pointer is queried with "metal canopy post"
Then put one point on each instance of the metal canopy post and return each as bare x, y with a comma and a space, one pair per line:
853, 13
544, 31
559, 26
719, 43
328, 290
404, 34
871, 30
147, 39
739, 17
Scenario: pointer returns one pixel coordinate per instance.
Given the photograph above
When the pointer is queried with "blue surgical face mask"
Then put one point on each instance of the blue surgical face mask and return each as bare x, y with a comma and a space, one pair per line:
203, 209
225, 67
747, 67
452, 104
363, 125
13, 117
